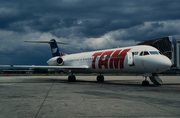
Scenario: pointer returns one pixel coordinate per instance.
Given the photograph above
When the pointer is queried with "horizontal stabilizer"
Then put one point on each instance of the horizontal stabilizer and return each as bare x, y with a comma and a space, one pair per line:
45, 42
53, 45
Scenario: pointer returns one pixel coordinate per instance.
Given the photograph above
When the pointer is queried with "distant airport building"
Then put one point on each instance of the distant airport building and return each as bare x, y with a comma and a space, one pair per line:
16, 71
177, 55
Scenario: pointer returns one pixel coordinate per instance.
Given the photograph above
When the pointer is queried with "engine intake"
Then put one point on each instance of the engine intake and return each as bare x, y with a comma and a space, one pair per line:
60, 61
55, 61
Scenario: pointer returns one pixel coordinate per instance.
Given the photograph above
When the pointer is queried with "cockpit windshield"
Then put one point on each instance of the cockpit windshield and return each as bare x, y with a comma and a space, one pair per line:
146, 53
154, 52
143, 53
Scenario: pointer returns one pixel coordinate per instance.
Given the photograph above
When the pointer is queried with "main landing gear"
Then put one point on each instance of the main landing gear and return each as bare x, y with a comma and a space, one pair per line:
71, 77
154, 79
100, 78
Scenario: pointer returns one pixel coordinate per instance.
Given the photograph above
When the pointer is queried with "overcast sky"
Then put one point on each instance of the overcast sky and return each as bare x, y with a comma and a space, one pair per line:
86, 24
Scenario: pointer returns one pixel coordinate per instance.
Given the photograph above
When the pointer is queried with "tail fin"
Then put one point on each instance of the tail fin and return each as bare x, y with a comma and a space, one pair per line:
53, 45
54, 48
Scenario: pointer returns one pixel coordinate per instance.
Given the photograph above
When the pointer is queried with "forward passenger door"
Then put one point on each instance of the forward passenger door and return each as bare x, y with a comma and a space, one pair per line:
130, 58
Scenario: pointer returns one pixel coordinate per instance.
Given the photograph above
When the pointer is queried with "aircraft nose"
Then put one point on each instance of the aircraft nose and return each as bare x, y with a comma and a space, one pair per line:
164, 63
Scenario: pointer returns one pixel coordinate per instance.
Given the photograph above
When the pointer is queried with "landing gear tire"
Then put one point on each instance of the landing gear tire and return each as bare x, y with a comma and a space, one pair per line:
100, 78
145, 83
71, 78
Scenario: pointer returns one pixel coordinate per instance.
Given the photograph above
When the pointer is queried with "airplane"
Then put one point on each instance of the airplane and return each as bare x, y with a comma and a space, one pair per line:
140, 59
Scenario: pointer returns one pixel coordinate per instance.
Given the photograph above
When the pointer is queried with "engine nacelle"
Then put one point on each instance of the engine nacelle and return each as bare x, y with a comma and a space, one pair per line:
55, 61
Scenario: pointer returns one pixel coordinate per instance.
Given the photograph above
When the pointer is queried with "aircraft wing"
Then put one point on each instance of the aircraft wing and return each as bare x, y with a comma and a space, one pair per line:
48, 67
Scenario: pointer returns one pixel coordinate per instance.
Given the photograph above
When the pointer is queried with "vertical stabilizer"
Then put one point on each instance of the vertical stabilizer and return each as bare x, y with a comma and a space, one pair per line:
54, 48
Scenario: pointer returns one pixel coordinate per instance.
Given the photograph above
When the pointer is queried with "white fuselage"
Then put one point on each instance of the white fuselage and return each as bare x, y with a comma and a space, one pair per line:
136, 59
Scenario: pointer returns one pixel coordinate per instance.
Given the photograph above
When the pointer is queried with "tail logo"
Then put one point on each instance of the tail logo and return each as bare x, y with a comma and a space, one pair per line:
62, 54
54, 50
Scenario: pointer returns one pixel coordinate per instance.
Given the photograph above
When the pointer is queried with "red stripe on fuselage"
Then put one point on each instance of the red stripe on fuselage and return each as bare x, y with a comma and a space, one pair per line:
114, 60
104, 59
94, 60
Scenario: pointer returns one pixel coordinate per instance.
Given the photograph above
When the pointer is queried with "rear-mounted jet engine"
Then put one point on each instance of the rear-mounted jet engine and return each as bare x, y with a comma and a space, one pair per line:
55, 61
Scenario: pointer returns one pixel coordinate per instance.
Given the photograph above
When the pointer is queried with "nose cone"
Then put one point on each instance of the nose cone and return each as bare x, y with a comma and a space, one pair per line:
164, 63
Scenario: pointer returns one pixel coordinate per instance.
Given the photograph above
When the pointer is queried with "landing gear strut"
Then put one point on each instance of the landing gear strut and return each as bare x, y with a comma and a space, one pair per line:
71, 77
100, 78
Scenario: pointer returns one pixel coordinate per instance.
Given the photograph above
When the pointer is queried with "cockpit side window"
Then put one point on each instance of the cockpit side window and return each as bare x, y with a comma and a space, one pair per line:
160, 53
141, 54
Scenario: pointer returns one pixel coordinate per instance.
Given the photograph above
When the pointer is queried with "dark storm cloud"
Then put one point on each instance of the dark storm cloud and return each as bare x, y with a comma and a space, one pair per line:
157, 25
101, 27
87, 18
86, 24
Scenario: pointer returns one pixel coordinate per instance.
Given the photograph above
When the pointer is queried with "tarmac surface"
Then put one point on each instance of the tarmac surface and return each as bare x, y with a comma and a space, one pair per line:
118, 96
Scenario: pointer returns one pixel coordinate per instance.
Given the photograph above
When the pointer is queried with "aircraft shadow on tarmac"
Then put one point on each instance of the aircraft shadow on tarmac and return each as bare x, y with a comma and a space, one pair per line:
108, 82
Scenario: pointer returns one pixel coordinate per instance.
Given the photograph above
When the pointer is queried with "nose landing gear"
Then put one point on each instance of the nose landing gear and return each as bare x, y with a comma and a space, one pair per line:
153, 77
145, 82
